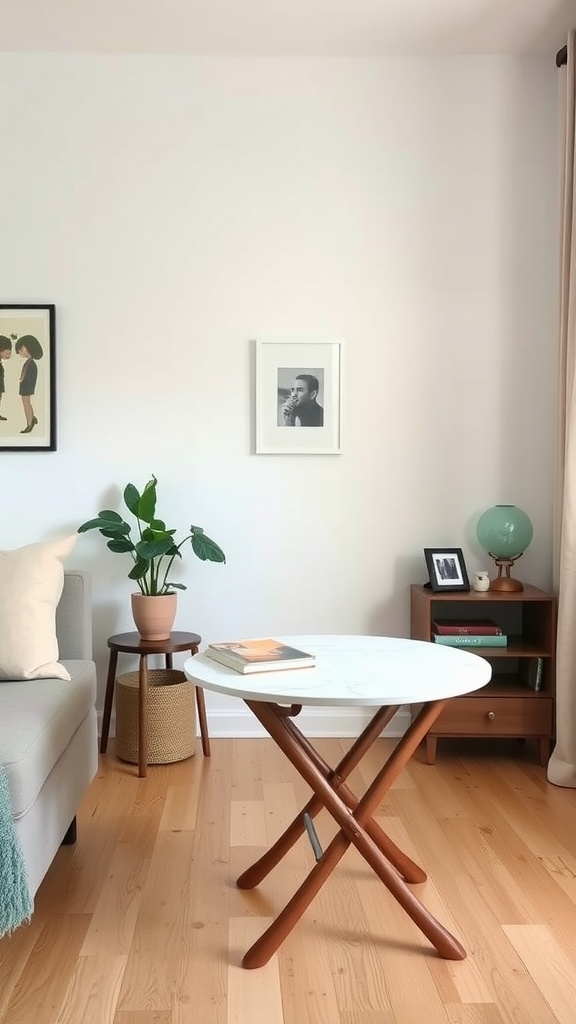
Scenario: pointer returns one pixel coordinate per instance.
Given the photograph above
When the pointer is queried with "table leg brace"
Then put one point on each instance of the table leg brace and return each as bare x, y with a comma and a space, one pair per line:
353, 830
410, 871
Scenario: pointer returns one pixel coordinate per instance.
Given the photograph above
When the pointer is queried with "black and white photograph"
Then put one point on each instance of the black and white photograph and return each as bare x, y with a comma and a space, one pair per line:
27, 378
298, 397
446, 568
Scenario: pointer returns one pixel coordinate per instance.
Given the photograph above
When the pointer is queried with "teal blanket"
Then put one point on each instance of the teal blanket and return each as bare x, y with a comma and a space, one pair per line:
16, 902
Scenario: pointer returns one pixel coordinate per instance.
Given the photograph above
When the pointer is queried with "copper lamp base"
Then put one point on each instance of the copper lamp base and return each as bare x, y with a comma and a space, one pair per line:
506, 585
504, 582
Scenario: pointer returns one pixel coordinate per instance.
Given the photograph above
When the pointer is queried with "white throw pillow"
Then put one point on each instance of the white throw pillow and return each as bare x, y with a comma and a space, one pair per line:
31, 582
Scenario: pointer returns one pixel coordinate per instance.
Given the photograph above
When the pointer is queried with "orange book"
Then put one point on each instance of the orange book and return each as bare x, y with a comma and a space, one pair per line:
264, 655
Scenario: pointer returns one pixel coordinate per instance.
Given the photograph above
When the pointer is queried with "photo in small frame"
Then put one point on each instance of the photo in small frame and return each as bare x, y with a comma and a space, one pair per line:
447, 569
27, 378
298, 397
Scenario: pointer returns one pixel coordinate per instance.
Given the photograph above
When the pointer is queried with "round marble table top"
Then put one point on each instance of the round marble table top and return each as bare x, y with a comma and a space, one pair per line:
353, 670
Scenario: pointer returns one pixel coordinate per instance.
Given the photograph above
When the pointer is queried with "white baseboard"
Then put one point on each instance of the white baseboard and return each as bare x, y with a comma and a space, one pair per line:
331, 722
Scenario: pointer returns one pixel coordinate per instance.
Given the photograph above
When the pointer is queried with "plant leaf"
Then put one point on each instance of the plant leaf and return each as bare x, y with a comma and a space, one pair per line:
204, 547
92, 524
120, 545
150, 534
147, 504
159, 526
175, 586
115, 530
131, 499
150, 549
138, 570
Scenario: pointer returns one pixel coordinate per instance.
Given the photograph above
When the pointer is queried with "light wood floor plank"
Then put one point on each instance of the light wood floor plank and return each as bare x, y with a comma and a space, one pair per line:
306, 978
41, 989
93, 991
115, 914
351, 908
508, 900
367, 1017
15, 952
402, 955
512, 990
246, 768
253, 996
548, 965
142, 922
547, 897
202, 982
280, 808
247, 824
470, 1013
460, 980
533, 830
180, 810
79, 872
143, 1017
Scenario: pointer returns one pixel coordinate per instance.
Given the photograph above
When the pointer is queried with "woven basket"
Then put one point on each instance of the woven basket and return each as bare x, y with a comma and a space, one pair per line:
171, 717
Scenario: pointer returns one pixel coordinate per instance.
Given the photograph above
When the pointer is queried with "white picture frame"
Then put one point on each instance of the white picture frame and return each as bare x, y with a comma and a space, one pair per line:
298, 397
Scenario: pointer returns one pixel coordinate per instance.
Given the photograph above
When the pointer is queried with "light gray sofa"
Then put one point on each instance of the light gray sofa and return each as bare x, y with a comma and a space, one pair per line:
48, 736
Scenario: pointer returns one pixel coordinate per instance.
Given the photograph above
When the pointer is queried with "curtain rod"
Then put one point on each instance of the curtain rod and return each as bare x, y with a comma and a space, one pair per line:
562, 57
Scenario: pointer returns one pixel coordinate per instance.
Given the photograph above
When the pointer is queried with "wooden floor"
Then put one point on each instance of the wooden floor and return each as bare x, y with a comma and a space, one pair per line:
141, 922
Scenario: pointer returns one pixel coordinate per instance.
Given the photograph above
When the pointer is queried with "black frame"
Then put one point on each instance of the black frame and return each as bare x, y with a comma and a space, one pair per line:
17, 320
440, 583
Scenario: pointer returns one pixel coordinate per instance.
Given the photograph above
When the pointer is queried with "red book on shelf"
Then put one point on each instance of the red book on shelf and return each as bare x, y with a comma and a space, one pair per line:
466, 627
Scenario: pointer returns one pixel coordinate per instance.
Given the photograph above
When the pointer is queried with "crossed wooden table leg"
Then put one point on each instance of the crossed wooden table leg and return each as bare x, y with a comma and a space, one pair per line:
353, 815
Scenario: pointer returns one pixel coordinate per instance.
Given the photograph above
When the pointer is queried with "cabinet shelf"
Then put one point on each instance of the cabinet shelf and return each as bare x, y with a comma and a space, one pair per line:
506, 707
508, 686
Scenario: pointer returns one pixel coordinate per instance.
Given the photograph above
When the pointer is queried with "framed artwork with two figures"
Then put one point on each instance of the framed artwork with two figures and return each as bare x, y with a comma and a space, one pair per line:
27, 378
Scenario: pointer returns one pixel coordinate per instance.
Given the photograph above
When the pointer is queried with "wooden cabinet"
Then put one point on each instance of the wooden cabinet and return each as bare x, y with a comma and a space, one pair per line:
507, 706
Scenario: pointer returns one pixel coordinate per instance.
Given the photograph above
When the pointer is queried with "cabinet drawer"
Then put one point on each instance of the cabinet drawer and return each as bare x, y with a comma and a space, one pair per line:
495, 716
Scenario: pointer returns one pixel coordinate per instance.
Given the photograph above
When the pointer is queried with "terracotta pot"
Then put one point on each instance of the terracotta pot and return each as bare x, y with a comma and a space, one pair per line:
154, 616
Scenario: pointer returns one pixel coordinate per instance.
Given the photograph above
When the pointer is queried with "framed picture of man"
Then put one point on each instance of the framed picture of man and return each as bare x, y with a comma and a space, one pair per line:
27, 378
298, 397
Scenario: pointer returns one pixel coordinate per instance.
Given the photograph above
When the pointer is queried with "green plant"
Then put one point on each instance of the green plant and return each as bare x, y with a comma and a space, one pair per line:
155, 549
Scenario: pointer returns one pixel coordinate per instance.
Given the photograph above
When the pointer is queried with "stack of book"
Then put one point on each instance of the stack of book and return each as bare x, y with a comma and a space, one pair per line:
263, 655
468, 633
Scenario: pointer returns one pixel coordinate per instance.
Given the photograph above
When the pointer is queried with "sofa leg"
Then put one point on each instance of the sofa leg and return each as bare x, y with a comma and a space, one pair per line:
70, 837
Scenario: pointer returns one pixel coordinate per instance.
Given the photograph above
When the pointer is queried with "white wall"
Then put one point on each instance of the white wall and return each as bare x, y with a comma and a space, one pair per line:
175, 208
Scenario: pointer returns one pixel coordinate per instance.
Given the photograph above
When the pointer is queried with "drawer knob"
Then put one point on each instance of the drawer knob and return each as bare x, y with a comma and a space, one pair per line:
490, 716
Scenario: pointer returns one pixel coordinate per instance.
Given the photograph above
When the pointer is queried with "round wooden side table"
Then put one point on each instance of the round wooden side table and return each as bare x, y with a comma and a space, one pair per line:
132, 643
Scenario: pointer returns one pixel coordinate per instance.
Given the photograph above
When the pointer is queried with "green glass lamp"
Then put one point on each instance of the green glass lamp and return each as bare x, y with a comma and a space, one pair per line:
504, 531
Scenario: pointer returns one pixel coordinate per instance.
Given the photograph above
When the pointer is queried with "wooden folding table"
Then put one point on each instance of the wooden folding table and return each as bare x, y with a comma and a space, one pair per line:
350, 671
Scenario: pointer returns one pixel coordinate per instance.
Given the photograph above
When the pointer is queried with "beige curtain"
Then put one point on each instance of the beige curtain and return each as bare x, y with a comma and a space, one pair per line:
562, 766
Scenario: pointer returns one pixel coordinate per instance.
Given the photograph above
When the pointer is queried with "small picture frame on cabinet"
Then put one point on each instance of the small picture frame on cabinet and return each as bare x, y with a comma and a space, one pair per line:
447, 569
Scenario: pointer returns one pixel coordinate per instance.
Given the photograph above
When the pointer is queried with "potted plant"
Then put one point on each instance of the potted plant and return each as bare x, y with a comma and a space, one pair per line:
153, 551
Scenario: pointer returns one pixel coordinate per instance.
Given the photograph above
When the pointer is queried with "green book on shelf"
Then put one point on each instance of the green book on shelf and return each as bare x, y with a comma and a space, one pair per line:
471, 640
